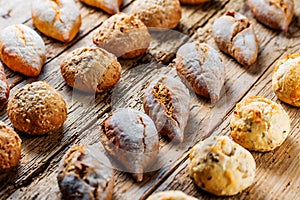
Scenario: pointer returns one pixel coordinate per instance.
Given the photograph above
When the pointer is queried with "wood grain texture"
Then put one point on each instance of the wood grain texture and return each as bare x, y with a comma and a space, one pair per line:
35, 177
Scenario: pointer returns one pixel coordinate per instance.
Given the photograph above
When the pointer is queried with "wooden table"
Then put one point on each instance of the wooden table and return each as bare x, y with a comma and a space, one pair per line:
278, 172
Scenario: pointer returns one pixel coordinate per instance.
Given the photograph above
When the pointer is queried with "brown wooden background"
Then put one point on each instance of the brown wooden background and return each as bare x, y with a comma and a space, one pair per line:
278, 172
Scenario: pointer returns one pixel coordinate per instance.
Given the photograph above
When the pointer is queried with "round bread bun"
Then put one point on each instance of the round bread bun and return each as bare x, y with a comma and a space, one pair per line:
91, 69
37, 109
10, 147
285, 81
220, 166
123, 35
259, 124
170, 195
160, 14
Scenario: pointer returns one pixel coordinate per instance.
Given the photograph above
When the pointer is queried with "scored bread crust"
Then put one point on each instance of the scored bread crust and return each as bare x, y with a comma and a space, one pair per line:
285, 80
91, 69
259, 124
123, 35
220, 166
10, 147
158, 13
37, 109
22, 49
109, 6
59, 19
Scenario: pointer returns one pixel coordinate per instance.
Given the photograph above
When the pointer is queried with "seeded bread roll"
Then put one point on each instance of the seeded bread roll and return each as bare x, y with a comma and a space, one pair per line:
59, 19
109, 6
234, 35
259, 124
170, 195
285, 81
4, 88
123, 35
157, 13
37, 109
91, 69
276, 14
220, 166
10, 147
193, 1
86, 173
22, 49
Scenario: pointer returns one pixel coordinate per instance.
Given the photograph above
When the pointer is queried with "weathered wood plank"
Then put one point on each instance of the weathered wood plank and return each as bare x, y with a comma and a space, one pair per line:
239, 81
277, 171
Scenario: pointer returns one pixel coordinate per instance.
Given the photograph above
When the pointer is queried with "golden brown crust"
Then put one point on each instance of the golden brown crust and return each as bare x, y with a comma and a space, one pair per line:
160, 14
4, 88
285, 80
10, 147
123, 35
220, 166
91, 69
109, 6
234, 35
170, 195
22, 49
37, 109
193, 1
276, 14
259, 124
59, 19
86, 173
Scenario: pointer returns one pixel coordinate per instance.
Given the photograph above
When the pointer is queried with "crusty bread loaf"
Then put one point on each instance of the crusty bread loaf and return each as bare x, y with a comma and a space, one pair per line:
123, 35
259, 124
285, 80
234, 35
109, 6
220, 166
22, 49
98, 180
160, 14
91, 69
10, 147
193, 1
59, 19
37, 109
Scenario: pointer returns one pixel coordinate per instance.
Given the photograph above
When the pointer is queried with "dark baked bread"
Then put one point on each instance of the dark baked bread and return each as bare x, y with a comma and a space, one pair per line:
166, 101
234, 35
85, 173
4, 88
131, 137
37, 108
10, 147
